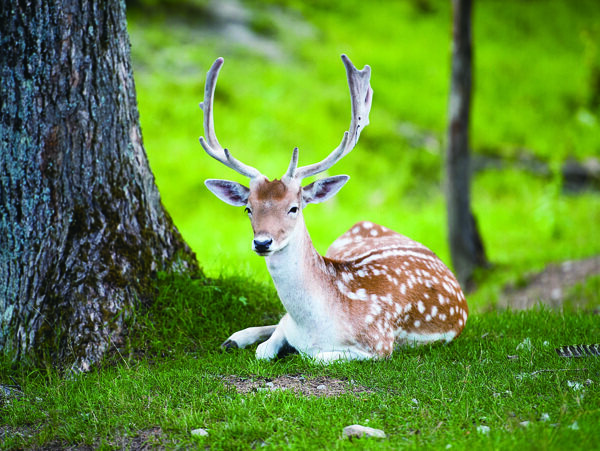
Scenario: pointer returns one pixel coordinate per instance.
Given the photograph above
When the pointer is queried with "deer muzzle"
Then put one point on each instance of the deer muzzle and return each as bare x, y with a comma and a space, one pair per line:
262, 245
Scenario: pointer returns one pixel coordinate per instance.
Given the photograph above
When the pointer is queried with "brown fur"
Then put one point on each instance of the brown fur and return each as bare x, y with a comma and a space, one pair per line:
389, 284
274, 190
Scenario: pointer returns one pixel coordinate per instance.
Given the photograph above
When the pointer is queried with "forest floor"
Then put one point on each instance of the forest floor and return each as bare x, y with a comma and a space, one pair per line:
550, 286
501, 385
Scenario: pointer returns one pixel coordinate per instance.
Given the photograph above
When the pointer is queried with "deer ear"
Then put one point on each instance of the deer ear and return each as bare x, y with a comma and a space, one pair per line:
323, 189
232, 193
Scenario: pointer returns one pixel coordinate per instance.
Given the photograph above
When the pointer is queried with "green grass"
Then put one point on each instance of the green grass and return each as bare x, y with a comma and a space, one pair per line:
502, 371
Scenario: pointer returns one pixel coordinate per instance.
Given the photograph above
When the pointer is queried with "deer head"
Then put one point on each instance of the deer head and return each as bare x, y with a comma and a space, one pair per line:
275, 207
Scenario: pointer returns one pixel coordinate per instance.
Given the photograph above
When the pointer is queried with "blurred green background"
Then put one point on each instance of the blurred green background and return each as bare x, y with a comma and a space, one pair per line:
536, 107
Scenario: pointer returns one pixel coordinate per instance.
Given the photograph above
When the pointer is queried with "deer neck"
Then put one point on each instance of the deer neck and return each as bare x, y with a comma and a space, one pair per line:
298, 271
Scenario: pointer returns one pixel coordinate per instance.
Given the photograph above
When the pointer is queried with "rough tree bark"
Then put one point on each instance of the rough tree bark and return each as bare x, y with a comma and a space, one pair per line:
82, 227
466, 246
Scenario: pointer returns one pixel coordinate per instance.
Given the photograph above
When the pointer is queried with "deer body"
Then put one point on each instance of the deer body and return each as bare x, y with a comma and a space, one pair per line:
373, 289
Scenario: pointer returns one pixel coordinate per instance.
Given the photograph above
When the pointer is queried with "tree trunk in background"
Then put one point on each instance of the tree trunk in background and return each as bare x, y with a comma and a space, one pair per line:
82, 227
466, 246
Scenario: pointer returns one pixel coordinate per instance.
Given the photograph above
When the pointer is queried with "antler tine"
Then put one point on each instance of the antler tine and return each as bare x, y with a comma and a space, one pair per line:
361, 96
211, 143
289, 174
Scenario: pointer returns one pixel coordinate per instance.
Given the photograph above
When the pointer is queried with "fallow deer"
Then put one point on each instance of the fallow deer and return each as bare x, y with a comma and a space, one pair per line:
372, 289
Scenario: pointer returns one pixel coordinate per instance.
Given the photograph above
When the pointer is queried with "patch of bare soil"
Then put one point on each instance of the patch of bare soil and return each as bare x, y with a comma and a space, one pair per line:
150, 439
21, 431
317, 386
549, 286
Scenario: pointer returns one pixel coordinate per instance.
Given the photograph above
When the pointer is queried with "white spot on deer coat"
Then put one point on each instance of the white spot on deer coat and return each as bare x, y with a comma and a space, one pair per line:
361, 294
434, 311
375, 309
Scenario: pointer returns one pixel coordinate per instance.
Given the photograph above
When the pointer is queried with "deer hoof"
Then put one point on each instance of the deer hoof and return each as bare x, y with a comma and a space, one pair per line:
229, 344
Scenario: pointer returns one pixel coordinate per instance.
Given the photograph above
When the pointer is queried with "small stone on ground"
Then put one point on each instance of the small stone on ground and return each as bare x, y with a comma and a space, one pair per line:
200, 432
358, 431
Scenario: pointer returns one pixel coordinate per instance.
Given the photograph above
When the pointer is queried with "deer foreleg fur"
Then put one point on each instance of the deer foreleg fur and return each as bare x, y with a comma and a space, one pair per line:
271, 348
249, 336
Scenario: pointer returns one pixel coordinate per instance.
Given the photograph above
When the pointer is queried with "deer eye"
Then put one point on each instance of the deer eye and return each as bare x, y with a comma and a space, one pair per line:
293, 210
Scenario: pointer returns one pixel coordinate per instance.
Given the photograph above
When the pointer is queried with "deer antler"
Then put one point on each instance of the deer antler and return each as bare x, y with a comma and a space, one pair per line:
211, 144
361, 96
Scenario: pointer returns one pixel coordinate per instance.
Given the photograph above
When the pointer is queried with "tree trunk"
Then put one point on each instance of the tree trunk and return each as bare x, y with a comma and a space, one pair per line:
466, 246
82, 227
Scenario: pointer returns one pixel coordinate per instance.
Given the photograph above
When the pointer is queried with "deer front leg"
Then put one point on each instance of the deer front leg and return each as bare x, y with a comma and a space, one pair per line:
248, 336
274, 345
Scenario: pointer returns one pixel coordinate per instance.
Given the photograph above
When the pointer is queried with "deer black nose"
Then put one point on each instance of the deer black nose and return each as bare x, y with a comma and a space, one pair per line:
262, 245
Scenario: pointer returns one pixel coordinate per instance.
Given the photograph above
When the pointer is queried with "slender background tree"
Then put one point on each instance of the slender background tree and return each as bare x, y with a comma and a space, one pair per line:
83, 231
466, 246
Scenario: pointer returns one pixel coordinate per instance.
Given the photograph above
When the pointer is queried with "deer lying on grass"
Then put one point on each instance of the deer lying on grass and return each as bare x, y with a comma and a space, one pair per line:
373, 288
